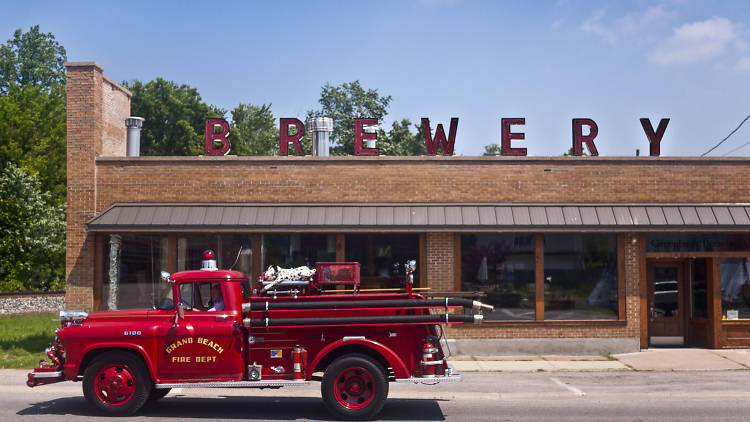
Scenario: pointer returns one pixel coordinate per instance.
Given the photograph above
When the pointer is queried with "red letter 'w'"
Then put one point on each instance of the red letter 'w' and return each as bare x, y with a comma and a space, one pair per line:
432, 144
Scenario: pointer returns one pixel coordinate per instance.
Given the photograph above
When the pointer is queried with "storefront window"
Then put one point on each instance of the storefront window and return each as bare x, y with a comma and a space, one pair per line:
501, 266
700, 283
131, 271
580, 276
296, 250
382, 258
735, 288
233, 251
697, 242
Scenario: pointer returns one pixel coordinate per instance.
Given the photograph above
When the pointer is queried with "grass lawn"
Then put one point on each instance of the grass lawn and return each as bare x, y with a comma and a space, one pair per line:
23, 339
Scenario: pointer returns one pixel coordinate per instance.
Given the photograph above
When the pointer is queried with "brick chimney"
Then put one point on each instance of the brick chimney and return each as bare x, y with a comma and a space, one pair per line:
96, 111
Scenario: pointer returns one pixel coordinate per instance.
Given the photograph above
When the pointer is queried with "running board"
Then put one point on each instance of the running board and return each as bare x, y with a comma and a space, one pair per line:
431, 380
234, 384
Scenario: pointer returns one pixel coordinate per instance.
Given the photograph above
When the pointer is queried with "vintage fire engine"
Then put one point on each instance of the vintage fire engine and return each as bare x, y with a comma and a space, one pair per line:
213, 329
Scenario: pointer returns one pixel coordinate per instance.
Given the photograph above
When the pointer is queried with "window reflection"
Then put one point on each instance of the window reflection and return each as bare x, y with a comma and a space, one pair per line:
735, 288
502, 267
580, 276
131, 271
382, 258
700, 283
232, 251
296, 250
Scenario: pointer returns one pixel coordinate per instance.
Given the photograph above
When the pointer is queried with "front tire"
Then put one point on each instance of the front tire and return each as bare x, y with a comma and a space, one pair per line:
354, 387
158, 394
117, 384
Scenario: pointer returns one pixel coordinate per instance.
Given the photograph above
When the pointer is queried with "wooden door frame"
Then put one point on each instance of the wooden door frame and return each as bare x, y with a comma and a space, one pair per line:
683, 302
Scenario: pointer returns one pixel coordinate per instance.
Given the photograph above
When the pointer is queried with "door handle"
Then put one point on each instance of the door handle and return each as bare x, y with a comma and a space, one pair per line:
221, 318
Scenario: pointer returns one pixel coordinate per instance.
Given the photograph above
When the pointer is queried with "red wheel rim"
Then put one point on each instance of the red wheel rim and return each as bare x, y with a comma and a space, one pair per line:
354, 388
115, 384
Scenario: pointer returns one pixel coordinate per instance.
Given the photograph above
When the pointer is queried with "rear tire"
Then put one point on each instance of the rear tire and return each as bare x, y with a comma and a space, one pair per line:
117, 384
354, 387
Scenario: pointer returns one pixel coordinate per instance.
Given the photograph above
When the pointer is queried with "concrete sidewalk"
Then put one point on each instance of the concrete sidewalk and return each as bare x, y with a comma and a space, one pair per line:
662, 359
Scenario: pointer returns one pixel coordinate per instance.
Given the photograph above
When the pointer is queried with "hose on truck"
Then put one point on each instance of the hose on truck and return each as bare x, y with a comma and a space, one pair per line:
351, 304
358, 320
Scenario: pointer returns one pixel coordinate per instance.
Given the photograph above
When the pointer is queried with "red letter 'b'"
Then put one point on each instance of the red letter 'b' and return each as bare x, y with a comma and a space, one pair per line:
217, 143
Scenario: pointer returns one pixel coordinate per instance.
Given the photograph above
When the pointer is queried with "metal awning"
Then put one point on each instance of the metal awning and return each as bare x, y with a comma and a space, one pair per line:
408, 217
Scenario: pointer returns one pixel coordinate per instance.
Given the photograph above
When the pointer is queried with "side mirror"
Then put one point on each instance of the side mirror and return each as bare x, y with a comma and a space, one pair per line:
165, 277
180, 314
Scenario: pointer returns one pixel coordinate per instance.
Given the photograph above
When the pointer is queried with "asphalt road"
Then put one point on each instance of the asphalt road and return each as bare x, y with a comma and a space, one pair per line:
542, 396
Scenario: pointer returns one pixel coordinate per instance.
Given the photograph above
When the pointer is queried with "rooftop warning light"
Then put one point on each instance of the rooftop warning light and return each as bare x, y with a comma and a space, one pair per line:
209, 260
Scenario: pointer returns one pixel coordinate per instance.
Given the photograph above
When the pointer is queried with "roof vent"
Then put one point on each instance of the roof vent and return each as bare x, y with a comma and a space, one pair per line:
321, 128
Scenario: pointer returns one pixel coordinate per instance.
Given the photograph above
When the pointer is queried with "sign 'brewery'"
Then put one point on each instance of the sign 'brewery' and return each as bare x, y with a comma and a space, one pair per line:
217, 131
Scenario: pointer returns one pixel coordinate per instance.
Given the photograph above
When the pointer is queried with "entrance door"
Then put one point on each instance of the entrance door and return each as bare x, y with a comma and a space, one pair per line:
667, 309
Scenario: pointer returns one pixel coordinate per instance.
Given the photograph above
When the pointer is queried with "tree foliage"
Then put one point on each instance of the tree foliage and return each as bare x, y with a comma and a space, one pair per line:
400, 140
343, 104
32, 234
31, 59
32, 108
175, 117
253, 130
492, 149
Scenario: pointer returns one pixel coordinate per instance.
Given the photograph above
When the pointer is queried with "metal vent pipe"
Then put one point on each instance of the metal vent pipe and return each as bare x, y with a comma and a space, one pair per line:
134, 125
321, 128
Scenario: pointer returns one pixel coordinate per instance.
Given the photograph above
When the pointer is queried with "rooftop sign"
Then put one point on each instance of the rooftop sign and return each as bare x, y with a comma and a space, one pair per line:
217, 132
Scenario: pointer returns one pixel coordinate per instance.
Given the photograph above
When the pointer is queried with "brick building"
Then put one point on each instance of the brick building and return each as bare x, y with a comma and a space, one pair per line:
578, 254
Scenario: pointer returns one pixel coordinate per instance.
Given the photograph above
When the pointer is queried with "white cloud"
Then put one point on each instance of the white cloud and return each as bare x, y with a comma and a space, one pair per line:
743, 64
627, 25
556, 24
695, 42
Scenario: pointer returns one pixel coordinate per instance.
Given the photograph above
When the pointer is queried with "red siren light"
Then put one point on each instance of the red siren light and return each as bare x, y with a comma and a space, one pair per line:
209, 260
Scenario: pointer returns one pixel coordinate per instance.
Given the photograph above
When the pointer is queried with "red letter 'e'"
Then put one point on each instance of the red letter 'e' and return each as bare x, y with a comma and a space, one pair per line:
217, 143
579, 139
360, 135
507, 136
285, 138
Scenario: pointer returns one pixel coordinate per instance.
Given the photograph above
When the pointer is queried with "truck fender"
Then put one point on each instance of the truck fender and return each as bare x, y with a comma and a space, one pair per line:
122, 346
399, 368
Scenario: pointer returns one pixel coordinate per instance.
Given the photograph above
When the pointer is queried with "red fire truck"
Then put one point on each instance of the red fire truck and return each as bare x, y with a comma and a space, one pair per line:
213, 329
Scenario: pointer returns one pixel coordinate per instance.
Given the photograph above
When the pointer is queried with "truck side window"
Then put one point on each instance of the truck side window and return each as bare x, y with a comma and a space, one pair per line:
186, 294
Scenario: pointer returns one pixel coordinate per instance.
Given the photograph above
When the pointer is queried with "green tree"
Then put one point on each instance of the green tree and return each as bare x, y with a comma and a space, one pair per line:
32, 58
32, 234
175, 117
400, 140
343, 104
32, 107
253, 130
492, 149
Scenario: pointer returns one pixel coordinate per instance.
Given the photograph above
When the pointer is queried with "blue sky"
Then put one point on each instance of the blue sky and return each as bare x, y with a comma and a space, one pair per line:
549, 62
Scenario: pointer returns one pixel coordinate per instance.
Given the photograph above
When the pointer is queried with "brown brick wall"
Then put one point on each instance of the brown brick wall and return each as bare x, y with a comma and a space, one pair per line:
439, 265
89, 115
415, 179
